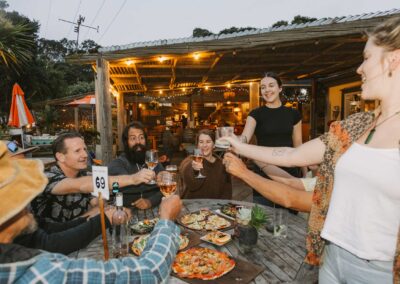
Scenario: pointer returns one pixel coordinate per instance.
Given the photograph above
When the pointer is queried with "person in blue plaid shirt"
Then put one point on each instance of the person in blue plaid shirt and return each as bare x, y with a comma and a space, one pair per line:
19, 264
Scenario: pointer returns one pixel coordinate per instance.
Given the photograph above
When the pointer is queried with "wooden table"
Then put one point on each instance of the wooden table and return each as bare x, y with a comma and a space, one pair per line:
282, 258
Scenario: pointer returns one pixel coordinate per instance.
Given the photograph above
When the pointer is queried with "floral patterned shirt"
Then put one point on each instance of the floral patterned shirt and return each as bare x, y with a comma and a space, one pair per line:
59, 208
341, 136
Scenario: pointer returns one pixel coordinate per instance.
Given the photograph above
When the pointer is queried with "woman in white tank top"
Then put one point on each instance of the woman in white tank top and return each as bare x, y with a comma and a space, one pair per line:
355, 216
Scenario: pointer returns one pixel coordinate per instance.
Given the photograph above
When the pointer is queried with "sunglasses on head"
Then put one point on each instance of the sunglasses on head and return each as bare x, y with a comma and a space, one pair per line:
12, 146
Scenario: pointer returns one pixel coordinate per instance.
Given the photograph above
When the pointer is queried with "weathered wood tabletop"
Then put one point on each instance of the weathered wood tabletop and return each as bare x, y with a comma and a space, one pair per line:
282, 258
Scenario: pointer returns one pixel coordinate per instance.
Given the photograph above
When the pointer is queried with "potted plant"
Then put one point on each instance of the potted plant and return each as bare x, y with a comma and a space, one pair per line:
248, 222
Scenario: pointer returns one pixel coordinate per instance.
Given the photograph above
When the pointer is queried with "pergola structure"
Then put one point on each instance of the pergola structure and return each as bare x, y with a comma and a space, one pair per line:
324, 50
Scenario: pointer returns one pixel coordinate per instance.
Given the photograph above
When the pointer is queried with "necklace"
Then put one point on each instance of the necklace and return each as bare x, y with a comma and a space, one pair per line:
372, 131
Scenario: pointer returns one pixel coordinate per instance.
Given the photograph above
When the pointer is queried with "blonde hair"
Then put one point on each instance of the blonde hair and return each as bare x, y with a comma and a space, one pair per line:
387, 34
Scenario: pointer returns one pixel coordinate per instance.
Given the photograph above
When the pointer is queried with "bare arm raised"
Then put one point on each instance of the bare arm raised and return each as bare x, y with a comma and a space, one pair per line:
279, 193
249, 128
310, 153
84, 184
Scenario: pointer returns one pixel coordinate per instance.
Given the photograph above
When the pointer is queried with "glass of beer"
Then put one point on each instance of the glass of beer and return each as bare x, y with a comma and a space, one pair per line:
198, 157
152, 161
167, 182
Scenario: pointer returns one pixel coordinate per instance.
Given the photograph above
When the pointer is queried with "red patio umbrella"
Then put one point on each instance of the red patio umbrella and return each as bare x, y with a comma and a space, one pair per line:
19, 112
88, 100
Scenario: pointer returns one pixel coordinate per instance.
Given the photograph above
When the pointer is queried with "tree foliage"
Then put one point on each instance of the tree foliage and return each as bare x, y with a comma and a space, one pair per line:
45, 73
199, 32
232, 30
296, 20
280, 23
302, 20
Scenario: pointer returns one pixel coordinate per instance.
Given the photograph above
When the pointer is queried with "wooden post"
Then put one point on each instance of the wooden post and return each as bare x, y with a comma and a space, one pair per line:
103, 110
190, 109
313, 115
254, 95
76, 118
121, 119
103, 227
135, 111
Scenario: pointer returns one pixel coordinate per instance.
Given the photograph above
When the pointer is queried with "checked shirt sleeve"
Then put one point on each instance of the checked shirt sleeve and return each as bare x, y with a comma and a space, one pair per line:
153, 266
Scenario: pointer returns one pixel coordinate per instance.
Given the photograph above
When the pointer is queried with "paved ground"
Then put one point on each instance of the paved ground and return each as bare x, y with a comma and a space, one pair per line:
241, 191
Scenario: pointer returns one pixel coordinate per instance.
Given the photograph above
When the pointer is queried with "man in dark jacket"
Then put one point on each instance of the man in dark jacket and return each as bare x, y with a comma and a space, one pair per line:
131, 161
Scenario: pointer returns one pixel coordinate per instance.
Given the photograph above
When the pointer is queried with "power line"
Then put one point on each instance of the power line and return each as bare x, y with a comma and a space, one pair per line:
112, 21
95, 17
76, 14
77, 27
47, 21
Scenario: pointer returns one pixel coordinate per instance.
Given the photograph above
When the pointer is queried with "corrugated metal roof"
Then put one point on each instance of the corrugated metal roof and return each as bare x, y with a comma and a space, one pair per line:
320, 22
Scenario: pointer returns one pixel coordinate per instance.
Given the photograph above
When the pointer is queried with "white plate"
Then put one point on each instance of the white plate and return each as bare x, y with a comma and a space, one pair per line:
203, 238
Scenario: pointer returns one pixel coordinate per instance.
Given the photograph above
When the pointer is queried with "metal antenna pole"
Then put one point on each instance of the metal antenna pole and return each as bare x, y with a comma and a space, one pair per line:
77, 27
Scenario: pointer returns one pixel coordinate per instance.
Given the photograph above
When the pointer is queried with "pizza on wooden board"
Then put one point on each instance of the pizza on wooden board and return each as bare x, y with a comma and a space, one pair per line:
202, 263
140, 242
204, 220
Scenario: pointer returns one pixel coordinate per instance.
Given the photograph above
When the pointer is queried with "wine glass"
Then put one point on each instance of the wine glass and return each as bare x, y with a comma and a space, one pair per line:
151, 161
198, 157
167, 183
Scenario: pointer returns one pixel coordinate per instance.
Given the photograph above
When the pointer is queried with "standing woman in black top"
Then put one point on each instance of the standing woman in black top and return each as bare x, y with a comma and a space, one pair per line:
273, 124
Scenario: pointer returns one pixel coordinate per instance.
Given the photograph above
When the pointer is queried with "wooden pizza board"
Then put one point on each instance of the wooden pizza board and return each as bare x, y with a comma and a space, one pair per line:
178, 220
243, 272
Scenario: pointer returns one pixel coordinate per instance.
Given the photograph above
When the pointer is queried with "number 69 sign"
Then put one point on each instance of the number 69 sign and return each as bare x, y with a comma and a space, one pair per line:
100, 181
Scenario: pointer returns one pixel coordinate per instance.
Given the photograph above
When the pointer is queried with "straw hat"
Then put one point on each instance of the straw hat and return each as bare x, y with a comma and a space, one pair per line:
20, 150
20, 181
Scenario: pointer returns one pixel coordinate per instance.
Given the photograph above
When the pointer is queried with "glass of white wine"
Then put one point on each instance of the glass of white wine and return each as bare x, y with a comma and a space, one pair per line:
151, 161
167, 182
198, 157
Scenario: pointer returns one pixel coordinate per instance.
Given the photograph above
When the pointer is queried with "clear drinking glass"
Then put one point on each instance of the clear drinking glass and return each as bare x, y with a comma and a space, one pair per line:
152, 161
223, 132
167, 182
280, 222
198, 157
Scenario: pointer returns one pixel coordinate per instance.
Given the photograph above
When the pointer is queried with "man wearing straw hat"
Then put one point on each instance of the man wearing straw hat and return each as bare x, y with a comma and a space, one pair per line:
20, 264
67, 195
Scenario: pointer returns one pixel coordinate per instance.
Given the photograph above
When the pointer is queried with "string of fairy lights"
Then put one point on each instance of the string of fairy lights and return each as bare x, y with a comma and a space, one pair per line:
289, 94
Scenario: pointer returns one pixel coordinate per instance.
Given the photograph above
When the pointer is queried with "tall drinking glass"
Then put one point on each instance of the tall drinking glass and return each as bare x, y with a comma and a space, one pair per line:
152, 161
223, 132
198, 157
280, 221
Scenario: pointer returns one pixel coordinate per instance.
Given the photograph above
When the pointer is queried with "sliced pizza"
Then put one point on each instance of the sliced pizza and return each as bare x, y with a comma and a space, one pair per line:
202, 263
139, 243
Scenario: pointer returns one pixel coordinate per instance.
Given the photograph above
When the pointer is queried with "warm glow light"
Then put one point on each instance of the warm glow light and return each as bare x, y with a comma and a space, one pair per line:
160, 92
183, 89
129, 62
161, 59
251, 83
196, 56
140, 105
207, 87
228, 85
228, 102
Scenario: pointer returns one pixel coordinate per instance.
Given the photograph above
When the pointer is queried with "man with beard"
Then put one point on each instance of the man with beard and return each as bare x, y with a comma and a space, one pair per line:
142, 196
67, 194
20, 181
